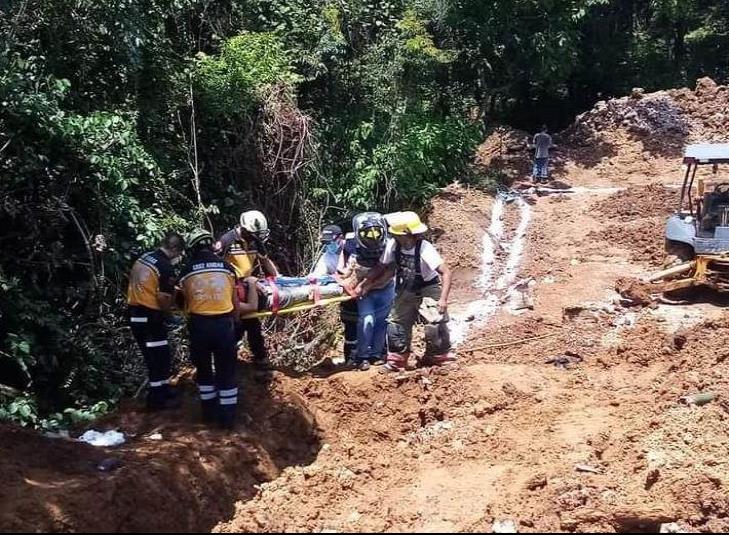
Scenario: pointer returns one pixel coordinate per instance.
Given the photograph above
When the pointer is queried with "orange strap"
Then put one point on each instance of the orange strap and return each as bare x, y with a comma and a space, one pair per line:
241, 289
275, 295
315, 290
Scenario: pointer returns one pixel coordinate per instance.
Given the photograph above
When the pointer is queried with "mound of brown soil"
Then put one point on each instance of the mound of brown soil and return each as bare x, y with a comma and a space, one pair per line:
637, 202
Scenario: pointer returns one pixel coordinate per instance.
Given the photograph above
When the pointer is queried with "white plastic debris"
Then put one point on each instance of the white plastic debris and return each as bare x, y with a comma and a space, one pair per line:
504, 526
155, 436
673, 527
102, 439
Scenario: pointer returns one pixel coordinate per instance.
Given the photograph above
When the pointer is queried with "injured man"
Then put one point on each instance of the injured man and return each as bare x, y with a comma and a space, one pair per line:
278, 294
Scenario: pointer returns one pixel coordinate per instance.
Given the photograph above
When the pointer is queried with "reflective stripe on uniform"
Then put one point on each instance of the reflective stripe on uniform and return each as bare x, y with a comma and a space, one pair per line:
206, 388
228, 393
160, 343
208, 397
139, 320
229, 401
155, 384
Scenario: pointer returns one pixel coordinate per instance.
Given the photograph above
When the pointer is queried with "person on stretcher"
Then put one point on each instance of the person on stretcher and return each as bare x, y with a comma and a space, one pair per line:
285, 292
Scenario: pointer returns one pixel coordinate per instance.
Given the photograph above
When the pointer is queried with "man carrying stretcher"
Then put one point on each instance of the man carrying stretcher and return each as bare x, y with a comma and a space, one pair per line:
244, 248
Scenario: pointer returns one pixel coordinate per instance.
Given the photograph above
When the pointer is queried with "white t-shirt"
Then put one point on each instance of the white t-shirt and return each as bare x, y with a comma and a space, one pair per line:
542, 144
430, 259
327, 264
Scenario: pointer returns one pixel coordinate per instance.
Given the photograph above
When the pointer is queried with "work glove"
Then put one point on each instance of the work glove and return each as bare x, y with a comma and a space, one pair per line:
259, 246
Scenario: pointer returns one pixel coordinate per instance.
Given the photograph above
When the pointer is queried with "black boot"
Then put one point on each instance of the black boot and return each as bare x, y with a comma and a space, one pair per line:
227, 417
209, 411
156, 399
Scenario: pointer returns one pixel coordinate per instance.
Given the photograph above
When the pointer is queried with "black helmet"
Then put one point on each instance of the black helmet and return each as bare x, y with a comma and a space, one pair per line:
199, 238
370, 230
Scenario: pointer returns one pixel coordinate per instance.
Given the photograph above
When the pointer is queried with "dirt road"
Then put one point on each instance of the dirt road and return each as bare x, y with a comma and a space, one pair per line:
499, 436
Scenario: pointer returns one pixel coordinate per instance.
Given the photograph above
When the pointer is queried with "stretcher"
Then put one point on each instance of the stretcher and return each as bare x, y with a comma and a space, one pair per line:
287, 295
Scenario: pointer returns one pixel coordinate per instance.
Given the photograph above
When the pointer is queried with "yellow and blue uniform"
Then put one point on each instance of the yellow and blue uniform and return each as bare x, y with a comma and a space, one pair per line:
239, 253
244, 256
151, 275
208, 284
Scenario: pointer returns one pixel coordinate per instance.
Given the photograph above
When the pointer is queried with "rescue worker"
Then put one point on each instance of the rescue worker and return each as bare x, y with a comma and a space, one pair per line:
370, 230
244, 247
332, 242
149, 297
211, 301
348, 311
332, 261
423, 288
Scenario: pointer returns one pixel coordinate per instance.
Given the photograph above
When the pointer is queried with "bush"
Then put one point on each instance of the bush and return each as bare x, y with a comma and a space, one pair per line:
237, 79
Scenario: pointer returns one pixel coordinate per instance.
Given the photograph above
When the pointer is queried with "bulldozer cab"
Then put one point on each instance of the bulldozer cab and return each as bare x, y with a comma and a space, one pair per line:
710, 198
713, 210
702, 219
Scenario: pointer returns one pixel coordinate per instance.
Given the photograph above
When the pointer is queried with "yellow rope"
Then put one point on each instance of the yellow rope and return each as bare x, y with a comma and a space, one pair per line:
298, 308
506, 344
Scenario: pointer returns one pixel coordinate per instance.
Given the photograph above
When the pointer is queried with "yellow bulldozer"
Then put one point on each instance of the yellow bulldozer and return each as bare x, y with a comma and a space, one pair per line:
697, 235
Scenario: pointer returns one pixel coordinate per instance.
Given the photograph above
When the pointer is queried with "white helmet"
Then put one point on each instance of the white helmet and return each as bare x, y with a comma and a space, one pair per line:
255, 222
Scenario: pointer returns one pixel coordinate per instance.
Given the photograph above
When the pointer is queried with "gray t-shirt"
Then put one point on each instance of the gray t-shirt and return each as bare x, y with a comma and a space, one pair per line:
542, 142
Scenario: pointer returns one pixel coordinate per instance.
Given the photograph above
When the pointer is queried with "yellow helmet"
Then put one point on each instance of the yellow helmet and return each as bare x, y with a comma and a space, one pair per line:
405, 223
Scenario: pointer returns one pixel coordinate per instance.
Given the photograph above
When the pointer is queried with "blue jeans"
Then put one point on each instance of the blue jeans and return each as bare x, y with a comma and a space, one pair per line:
372, 322
541, 168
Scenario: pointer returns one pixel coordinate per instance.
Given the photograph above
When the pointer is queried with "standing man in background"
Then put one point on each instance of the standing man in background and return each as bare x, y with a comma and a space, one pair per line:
542, 144
149, 297
244, 247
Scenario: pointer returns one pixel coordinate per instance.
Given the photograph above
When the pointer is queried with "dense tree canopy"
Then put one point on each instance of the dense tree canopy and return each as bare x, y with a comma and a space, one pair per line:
121, 119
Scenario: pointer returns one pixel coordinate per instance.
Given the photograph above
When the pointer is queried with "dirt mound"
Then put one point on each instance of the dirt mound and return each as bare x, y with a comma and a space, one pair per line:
376, 431
637, 202
505, 150
187, 481
708, 109
663, 117
644, 239
634, 290
457, 211
501, 145
656, 114
642, 211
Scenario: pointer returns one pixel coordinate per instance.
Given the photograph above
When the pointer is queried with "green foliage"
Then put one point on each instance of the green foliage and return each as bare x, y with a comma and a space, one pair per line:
404, 164
23, 410
243, 73
418, 42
